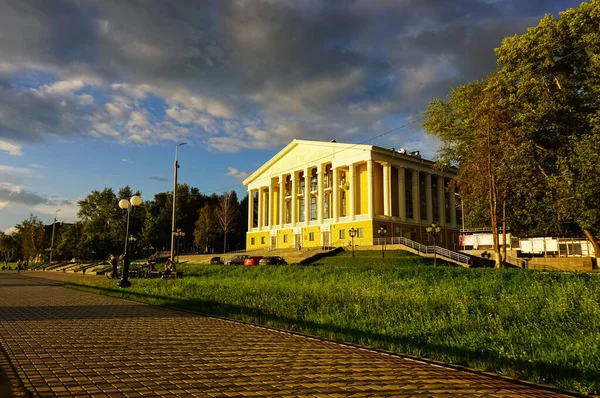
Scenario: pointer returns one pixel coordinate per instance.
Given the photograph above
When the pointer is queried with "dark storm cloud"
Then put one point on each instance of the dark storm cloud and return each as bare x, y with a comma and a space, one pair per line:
285, 69
11, 195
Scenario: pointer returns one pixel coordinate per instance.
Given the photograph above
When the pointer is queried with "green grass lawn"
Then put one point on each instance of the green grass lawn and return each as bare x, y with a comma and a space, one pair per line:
544, 327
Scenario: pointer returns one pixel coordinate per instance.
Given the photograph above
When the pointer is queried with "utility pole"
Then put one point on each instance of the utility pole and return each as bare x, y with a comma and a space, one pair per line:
173, 226
52, 240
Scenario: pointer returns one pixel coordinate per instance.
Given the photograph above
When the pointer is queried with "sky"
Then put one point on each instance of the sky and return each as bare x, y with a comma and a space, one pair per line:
97, 94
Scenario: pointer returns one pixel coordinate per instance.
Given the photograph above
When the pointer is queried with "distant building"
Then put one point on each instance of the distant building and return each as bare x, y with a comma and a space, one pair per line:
312, 193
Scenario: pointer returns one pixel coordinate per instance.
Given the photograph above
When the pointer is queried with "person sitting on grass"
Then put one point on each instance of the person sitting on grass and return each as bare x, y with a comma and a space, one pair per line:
169, 267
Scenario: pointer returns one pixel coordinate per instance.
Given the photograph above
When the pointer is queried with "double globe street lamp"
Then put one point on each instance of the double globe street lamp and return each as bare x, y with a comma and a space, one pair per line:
434, 230
127, 204
352, 233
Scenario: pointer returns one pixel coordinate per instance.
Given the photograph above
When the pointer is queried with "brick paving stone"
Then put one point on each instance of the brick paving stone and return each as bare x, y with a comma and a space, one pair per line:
68, 343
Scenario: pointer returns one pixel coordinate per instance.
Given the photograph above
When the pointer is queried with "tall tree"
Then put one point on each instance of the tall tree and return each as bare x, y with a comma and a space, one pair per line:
226, 212
206, 230
31, 234
9, 247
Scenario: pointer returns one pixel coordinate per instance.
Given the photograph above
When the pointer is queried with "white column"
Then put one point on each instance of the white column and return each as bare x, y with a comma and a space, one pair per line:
294, 181
370, 200
452, 206
428, 198
352, 191
306, 196
387, 198
321, 193
281, 200
270, 204
416, 196
402, 192
335, 202
441, 200
250, 209
261, 203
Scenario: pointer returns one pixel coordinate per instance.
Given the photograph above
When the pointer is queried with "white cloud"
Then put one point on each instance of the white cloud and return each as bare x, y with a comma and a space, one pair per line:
13, 175
235, 173
13, 150
106, 129
63, 87
138, 119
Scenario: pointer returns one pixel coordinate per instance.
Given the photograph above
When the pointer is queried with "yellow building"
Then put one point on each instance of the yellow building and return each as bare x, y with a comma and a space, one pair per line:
312, 193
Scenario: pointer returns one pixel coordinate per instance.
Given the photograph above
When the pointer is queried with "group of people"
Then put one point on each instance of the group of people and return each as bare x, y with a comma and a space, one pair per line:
22, 265
114, 270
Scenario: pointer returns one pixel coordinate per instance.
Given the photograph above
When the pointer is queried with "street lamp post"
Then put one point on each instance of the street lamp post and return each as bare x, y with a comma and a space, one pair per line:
434, 231
178, 234
382, 231
52, 240
462, 216
127, 204
132, 240
352, 233
175, 167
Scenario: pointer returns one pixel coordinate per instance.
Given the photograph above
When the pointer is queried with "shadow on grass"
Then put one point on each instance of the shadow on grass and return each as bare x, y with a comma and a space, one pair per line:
535, 370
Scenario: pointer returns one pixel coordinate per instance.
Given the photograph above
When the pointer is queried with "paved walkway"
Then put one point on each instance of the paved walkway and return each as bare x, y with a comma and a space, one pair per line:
66, 343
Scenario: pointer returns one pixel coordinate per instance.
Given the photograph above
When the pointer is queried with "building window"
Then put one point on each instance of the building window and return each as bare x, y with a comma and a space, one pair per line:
326, 206
398, 231
311, 236
408, 195
301, 216
288, 213
313, 180
360, 233
252, 241
301, 186
285, 238
343, 201
313, 208
342, 233
262, 240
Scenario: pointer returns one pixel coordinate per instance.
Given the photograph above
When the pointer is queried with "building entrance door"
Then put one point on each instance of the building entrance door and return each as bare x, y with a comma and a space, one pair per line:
298, 241
273, 242
326, 239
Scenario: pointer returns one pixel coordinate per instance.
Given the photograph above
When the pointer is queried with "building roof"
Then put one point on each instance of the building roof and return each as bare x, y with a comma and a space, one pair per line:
322, 150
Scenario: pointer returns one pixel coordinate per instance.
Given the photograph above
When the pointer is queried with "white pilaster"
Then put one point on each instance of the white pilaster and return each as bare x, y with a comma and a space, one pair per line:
441, 200
335, 191
402, 193
250, 209
352, 191
261, 203
270, 204
281, 200
416, 196
428, 198
294, 181
387, 198
370, 199
306, 196
321, 193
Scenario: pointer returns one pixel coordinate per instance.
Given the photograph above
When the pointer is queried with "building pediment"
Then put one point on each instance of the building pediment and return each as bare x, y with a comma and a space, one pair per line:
301, 153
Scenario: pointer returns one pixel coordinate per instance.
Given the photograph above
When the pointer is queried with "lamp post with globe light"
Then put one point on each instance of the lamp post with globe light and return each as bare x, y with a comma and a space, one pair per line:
434, 230
352, 233
52, 241
462, 216
382, 232
179, 234
127, 204
173, 221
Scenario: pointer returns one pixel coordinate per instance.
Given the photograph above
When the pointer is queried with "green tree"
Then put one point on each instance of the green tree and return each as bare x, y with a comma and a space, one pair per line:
227, 211
551, 75
9, 247
206, 230
31, 235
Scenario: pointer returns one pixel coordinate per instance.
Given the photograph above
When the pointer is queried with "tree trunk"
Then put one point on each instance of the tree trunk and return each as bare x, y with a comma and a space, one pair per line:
504, 230
225, 242
493, 203
594, 240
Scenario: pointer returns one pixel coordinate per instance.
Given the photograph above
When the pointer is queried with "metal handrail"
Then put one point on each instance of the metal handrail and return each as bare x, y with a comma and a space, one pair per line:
443, 252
